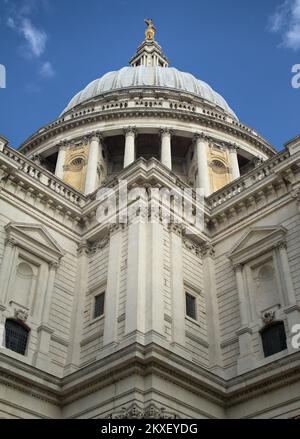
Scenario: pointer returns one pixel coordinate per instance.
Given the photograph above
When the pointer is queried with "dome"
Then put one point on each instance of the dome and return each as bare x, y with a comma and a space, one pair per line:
154, 76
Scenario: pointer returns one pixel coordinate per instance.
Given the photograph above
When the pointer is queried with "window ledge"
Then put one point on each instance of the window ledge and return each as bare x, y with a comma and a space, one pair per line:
96, 320
195, 322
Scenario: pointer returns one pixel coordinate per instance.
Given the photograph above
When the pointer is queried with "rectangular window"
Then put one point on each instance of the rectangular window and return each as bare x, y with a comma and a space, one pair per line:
190, 305
99, 305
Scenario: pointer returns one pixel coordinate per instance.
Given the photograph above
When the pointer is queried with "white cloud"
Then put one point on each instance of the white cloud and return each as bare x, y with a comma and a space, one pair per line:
36, 39
20, 20
286, 21
47, 71
11, 23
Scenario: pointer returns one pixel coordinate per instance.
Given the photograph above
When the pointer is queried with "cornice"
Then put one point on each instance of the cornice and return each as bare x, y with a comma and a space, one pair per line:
152, 359
235, 128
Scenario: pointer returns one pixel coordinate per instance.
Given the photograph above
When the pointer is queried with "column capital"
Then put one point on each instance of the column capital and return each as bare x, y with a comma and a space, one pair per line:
96, 135
232, 147
295, 193
36, 158
166, 131
83, 248
238, 268
54, 265
63, 145
176, 228
130, 131
207, 249
114, 228
10, 242
281, 245
200, 136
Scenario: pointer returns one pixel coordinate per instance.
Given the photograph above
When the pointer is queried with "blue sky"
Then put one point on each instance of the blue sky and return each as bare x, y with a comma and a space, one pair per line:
244, 49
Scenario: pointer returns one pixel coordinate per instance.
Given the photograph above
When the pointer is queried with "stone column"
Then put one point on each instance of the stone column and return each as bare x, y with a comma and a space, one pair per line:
129, 156
210, 291
246, 360
92, 165
73, 358
110, 334
177, 286
292, 309
287, 278
235, 169
155, 286
242, 294
202, 161
166, 154
42, 358
6, 268
136, 278
60, 163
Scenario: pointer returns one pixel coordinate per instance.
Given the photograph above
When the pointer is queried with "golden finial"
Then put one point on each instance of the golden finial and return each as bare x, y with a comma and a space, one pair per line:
150, 31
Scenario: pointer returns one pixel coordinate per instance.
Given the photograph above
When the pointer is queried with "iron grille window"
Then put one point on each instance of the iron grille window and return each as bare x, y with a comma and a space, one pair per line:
16, 336
190, 305
99, 305
273, 339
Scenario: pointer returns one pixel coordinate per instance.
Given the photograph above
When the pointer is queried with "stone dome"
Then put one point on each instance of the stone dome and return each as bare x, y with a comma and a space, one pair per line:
154, 76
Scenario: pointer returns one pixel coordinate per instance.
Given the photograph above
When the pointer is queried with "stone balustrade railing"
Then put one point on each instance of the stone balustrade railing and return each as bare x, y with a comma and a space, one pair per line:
45, 177
246, 181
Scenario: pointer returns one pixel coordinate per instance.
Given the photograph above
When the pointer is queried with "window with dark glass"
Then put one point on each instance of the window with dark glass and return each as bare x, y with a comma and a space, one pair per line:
99, 305
273, 339
16, 336
190, 305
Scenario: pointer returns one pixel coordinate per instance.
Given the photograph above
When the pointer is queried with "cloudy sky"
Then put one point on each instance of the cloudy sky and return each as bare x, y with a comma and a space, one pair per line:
244, 49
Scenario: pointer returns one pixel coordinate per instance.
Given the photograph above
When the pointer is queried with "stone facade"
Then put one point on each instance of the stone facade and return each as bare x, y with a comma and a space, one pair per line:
143, 355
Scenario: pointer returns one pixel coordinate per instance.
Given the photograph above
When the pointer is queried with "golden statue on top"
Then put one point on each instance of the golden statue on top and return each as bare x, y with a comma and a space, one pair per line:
150, 31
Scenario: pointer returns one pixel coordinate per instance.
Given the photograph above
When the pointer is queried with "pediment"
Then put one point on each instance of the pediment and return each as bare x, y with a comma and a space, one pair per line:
257, 240
36, 239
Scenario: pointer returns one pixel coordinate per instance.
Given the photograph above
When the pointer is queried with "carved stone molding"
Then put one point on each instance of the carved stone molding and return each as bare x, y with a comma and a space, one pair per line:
130, 131
83, 248
10, 242
136, 412
176, 228
192, 246
166, 131
54, 265
238, 268
268, 317
99, 245
295, 193
281, 245
36, 158
200, 136
96, 135
21, 315
207, 249
63, 144
113, 228
232, 147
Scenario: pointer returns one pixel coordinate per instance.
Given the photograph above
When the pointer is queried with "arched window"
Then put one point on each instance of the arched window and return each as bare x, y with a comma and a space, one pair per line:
16, 336
219, 167
273, 338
